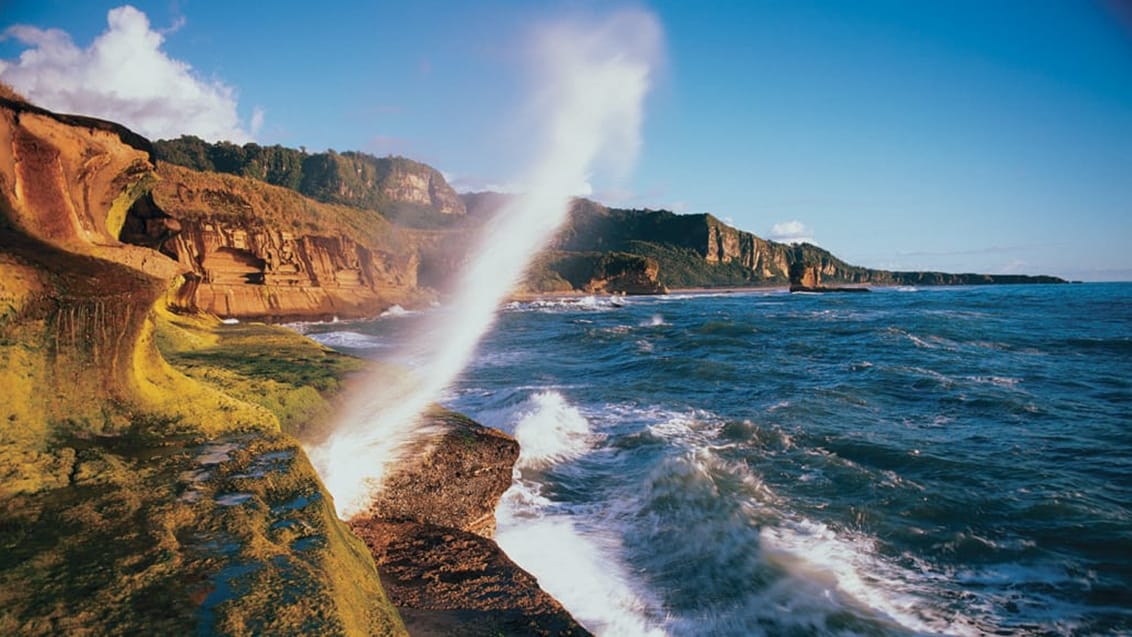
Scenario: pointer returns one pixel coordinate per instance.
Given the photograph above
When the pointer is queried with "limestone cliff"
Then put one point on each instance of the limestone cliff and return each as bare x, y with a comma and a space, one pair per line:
699, 250
395, 186
593, 273
255, 250
75, 300
135, 499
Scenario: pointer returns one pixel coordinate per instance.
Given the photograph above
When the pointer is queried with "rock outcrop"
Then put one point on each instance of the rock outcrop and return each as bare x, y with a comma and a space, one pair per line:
430, 530
593, 273
137, 500
251, 250
454, 479
74, 299
699, 250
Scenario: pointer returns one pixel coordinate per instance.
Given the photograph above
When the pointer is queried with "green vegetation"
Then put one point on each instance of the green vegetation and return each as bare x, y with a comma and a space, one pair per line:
349, 179
179, 535
162, 528
686, 268
291, 376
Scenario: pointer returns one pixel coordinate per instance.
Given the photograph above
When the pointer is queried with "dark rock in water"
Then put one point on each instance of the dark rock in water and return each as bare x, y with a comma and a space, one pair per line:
429, 531
453, 480
449, 582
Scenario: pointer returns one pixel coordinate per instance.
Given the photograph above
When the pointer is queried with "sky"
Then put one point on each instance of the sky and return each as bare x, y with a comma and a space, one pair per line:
964, 136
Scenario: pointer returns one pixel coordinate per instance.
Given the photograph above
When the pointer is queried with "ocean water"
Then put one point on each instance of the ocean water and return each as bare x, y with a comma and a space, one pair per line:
952, 461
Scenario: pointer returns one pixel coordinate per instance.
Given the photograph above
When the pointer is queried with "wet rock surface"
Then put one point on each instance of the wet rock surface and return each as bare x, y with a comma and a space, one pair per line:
166, 535
455, 479
444, 581
429, 531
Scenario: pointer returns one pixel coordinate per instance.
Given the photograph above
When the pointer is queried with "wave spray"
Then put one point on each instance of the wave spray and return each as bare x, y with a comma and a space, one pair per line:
591, 80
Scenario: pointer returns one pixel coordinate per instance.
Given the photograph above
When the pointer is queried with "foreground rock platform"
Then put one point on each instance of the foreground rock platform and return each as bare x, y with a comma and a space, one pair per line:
444, 581
430, 533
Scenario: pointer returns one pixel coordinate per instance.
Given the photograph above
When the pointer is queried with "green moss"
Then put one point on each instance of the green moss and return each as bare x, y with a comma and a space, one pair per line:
286, 373
166, 535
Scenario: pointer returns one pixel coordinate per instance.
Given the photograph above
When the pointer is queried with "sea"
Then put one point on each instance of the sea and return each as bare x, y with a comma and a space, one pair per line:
909, 461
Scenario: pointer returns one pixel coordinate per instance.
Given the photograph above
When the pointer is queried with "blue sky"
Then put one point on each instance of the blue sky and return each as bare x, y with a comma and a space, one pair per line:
989, 136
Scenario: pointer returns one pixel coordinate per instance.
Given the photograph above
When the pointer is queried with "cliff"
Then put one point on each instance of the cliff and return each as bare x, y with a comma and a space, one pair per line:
135, 498
399, 188
250, 249
593, 273
699, 250
149, 480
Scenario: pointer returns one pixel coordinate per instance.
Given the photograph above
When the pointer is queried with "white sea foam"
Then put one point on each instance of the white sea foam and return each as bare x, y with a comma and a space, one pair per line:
566, 304
582, 570
656, 321
1000, 381
395, 310
348, 340
550, 431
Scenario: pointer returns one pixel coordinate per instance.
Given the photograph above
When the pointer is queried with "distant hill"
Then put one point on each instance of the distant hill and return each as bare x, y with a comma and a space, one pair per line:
403, 190
699, 250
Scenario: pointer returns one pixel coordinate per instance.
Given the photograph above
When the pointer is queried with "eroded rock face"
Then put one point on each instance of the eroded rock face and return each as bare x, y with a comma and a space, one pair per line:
69, 283
258, 251
120, 516
449, 582
453, 480
429, 530
416, 183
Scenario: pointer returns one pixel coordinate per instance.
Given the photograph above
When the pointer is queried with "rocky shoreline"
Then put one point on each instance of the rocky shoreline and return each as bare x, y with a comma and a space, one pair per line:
151, 481
430, 530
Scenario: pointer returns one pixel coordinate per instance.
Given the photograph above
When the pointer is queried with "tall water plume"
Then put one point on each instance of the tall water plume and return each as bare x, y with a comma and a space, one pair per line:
588, 106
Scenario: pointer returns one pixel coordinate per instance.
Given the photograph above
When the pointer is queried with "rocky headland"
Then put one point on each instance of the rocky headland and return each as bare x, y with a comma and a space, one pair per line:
153, 482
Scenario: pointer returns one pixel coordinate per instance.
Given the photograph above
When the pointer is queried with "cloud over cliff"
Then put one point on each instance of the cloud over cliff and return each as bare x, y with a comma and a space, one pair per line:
124, 75
793, 231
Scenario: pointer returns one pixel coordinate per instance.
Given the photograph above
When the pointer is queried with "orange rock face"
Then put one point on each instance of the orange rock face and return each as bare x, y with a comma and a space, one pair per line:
254, 250
70, 283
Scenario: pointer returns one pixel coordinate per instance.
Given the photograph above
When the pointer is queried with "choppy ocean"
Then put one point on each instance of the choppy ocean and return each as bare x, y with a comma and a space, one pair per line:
949, 461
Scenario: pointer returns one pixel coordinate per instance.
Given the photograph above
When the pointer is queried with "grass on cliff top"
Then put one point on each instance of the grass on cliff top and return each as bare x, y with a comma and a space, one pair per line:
287, 373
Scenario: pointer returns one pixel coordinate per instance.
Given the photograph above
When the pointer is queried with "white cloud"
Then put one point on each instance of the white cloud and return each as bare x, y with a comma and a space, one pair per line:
258, 115
793, 231
124, 76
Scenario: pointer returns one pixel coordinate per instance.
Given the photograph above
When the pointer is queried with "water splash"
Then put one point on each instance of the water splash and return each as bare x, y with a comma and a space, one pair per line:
593, 78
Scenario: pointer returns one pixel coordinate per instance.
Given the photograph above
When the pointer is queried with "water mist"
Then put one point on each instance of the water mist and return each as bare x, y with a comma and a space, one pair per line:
592, 80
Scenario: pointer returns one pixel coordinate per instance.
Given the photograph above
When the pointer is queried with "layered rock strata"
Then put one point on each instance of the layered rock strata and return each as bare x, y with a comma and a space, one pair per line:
700, 250
252, 250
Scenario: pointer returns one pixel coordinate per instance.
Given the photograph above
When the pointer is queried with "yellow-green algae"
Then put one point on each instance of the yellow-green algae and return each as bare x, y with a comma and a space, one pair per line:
136, 499
166, 525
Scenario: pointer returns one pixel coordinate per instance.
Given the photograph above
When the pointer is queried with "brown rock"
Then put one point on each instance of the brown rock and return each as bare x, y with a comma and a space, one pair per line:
429, 531
453, 480
259, 251
449, 582
69, 283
